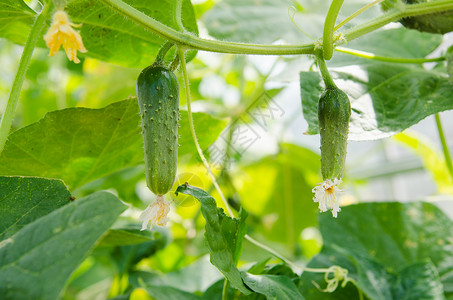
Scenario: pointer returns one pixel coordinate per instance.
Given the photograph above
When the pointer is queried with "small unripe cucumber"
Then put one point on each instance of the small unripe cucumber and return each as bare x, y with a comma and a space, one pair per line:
158, 99
334, 112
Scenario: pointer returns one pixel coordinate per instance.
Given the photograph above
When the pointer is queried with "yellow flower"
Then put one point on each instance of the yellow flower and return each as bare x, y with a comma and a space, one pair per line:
61, 33
155, 213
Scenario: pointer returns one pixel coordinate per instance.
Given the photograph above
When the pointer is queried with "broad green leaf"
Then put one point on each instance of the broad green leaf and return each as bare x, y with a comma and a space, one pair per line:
433, 161
127, 256
390, 250
36, 262
16, 19
107, 35
26, 199
222, 235
278, 188
170, 293
272, 286
419, 281
385, 98
266, 21
79, 145
122, 237
196, 277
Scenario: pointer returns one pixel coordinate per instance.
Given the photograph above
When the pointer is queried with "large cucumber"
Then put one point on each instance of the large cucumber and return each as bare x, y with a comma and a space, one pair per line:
334, 112
158, 99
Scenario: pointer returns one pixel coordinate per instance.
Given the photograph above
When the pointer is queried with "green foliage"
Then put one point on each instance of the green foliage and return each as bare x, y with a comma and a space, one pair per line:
80, 145
25, 200
392, 251
391, 100
56, 246
223, 235
106, 35
53, 246
17, 19
273, 286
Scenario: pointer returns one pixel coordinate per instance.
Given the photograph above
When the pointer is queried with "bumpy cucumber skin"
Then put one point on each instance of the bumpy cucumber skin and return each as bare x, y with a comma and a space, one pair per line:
334, 112
158, 100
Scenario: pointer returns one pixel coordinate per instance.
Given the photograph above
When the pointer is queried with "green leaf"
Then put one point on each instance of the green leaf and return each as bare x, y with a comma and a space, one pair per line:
24, 200
433, 160
419, 281
36, 262
196, 277
272, 286
127, 256
222, 235
280, 186
122, 237
16, 19
266, 21
107, 35
388, 249
170, 293
79, 145
385, 100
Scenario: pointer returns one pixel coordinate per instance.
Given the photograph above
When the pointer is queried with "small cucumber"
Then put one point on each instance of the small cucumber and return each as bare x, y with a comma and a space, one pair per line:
334, 112
158, 100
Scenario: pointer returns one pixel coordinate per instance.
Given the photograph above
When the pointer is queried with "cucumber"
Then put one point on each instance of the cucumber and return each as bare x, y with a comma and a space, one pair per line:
158, 100
334, 112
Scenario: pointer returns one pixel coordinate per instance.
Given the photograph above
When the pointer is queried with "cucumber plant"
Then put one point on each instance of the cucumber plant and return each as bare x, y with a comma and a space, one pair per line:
50, 219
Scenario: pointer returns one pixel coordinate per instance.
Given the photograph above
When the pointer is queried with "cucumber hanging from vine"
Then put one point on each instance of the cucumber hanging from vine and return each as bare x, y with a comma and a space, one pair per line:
334, 112
158, 100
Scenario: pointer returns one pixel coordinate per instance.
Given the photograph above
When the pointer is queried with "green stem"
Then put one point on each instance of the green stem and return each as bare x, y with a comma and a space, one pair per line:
325, 72
194, 42
13, 99
444, 145
162, 52
329, 25
355, 14
226, 285
194, 135
408, 10
399, 60
178, 16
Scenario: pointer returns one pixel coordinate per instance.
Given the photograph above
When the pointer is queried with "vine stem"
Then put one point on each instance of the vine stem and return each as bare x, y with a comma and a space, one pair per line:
400, 60
13, 99
214, 181
226, 285
444, 145
182, 61
325, 72
193, 42
355, 14
329, 25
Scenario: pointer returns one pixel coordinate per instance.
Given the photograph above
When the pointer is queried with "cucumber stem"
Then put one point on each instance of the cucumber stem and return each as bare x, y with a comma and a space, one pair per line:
329, 25
13, 99
444, 145
162, 52
328, 81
